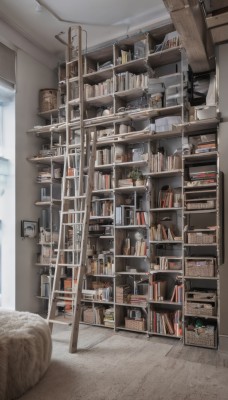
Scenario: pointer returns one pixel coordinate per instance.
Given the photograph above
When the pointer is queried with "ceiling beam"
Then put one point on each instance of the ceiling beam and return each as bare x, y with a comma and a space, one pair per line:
189, 21
217, 20
218, 26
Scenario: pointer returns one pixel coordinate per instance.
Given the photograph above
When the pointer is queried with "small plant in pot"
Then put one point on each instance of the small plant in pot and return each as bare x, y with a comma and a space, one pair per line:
137, 177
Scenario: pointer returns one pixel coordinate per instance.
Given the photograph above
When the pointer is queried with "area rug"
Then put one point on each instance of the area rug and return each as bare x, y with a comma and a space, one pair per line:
25, 352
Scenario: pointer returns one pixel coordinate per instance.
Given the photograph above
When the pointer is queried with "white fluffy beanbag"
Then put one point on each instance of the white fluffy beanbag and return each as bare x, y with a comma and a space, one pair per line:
25, 352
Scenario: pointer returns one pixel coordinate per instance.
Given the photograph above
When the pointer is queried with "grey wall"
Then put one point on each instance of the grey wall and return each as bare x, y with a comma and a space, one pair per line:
222, 57
31, 76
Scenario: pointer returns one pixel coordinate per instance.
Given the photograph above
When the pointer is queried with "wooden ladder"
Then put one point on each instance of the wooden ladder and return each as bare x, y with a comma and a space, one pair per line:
77, 186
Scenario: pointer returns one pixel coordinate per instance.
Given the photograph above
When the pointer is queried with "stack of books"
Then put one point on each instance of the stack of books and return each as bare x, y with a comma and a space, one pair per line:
203, 174
205, 147
109, 317
122, 294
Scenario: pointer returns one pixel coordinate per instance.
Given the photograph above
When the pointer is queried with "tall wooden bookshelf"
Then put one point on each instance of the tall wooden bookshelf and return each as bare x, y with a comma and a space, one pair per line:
144, 204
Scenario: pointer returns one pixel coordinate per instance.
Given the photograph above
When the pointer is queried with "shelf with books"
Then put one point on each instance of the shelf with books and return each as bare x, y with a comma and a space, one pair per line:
166, 209
166, 289
98, 314
166, 302
196, 126
135, 97
165, 173
202, 246
97, 76
167, 263
131, 318
165, 322
132, 272
98, 101
165, 57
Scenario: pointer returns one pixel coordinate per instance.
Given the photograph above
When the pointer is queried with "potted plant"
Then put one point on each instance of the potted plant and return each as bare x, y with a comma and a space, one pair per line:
137, 177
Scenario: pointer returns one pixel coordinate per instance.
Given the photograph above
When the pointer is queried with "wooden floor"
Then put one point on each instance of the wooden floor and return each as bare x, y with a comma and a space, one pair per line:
126, 366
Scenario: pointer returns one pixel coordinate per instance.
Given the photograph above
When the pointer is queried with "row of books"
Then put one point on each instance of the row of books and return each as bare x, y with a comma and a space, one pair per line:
102, 208
101, 89
96, 266
177, 295
168, 263
166, 198
157, 290
126, 215
138, 249
161, 162
141, 218
104, 156
127, 80
166, 323
102, 181
160, 232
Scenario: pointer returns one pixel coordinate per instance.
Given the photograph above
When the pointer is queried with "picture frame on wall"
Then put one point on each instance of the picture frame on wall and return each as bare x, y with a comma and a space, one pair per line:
29, 229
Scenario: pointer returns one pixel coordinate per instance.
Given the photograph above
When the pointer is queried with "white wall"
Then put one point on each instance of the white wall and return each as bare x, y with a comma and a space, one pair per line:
223, 150
34, 71
7, 205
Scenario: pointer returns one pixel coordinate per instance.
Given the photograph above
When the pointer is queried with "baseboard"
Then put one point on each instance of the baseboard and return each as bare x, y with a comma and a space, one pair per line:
223, 343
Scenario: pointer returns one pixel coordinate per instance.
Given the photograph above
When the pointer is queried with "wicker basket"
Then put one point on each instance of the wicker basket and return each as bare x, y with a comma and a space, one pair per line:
135, 324
89, 316
201, 337
201, 206
201, 238
200, 309
200, 267
48, 100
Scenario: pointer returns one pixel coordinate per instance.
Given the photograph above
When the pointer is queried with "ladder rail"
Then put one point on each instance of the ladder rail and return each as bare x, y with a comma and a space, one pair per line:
76, 202
52, 306
83, 254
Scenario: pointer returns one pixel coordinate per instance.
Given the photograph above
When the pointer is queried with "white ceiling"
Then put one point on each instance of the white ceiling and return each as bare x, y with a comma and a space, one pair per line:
102, 19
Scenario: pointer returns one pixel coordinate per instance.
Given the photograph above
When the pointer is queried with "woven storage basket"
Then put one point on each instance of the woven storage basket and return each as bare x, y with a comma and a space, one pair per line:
200, 206
48, 100
203, 295
205, 337
134, 324
200, 309
201, 238
199, 267
89, 316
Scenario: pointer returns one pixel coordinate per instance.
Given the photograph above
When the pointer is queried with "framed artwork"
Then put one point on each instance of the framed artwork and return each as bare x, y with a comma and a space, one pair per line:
29, 229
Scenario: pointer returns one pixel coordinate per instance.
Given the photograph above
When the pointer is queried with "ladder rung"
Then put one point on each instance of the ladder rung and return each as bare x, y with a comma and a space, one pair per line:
73, 212
73, 223
69, 265
75, 197
55, 321
64, 298
70, 250
64, 291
